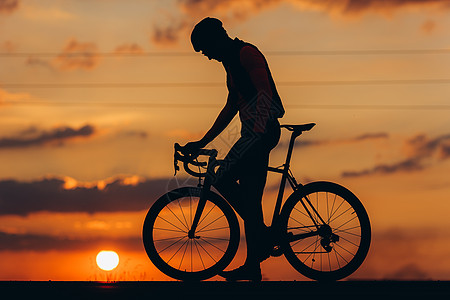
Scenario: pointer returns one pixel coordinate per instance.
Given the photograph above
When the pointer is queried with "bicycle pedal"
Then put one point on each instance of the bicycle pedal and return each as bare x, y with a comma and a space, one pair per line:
276, 251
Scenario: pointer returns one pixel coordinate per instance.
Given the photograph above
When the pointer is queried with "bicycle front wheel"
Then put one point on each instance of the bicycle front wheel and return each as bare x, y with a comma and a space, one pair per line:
190, 257
327, 231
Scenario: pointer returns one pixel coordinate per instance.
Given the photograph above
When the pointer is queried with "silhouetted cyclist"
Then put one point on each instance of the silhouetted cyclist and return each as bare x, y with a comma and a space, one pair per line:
252, 93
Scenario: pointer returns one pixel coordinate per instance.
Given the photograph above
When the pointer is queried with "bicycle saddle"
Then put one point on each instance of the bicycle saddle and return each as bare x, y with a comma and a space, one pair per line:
299, 128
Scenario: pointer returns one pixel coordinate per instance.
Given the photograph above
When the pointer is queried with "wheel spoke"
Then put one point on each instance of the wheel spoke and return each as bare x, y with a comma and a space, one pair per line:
214, 238
184, 253
171, 230
199, 255
347, 231
344, 249
342, 214
206, 215
296, 209
176, 251
211, 244
184, 217
171, 245
348, 241
181, 230
214, 229
212, 222
168, 239
206, 252
176, 218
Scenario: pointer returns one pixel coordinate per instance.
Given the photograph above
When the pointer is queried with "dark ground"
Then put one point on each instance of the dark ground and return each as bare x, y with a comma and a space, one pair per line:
224, 290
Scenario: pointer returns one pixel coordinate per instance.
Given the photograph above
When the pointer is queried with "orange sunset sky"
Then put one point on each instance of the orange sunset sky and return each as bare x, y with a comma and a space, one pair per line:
93, 95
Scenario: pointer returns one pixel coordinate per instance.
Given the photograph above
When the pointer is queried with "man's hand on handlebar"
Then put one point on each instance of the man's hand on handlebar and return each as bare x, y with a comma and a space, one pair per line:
193, 147
188, 155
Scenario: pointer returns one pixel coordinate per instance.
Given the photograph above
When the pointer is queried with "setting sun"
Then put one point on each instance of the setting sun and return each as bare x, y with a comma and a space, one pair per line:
107, 260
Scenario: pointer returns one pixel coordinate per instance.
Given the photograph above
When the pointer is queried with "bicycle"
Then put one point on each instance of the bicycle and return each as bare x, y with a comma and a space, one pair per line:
192, 233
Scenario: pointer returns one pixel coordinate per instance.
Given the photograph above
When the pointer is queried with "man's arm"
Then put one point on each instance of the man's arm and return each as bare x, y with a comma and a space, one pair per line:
223, 119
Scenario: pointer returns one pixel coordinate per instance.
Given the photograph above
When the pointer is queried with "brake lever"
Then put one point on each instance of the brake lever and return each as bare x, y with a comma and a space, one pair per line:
175, 166
175, 159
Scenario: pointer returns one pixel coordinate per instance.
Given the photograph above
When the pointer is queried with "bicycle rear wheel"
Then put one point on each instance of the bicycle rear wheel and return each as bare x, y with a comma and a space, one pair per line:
330, 239
184, 257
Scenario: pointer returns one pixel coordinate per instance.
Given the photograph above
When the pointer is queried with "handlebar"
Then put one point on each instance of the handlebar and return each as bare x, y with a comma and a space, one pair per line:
180, 154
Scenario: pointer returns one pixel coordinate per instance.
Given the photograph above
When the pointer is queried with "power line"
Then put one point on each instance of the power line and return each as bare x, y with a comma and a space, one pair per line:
220, 84
268, 52
184, 105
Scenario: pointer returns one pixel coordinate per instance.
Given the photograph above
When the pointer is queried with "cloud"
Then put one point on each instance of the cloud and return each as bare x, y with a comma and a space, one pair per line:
135, 133
231, 11
57, 135
418, 150
8, 6
408, 165
8, 47
358, 7
76, 55
37, 62
356, 139
45, 13
410, 271
37, 242
422, 146
428, 27
7, 97
121, 194
169, 35
132, 48
397, 253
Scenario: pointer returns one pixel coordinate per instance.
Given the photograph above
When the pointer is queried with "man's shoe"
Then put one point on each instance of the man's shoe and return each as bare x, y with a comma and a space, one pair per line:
243, 273
266, 244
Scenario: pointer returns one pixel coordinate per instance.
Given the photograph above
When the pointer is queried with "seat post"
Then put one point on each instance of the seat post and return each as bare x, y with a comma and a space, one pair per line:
277, 209
294, 135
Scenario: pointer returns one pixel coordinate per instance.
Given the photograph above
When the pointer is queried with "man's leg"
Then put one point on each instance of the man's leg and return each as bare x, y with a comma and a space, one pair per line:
230, 171
253, 181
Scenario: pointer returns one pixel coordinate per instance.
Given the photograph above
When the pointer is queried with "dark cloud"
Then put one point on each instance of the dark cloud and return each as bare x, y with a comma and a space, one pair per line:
360, 138
169, 35
410, 271
359, 6
135, 133
397, 253
419, 150
38, 62
444, 152
34, 242
57, 135
8, 47
408, 165
231, 11
422, 146
8, 6
56, 195
129, 48
76, 55
428, 27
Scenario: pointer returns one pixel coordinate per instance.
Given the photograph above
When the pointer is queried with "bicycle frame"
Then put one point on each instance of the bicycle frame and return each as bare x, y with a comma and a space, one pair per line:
286, 173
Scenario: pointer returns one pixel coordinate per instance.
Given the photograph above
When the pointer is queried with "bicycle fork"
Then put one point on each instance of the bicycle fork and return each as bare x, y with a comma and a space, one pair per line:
198, 212
203, 197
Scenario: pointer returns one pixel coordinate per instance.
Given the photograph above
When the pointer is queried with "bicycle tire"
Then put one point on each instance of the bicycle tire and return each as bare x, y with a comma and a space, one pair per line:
347, 218
173, 252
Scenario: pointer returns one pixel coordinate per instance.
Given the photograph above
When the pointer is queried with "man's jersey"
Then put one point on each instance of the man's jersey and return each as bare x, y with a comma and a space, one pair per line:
251, 85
